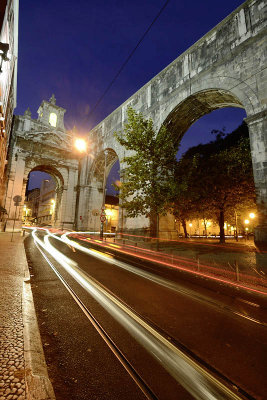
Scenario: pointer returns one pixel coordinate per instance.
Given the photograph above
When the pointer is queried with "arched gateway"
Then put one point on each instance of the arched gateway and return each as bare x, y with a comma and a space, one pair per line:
226, 67
43, 145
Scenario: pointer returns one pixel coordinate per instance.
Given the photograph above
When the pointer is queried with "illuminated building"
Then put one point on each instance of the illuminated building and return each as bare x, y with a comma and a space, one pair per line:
46, 202
9, 10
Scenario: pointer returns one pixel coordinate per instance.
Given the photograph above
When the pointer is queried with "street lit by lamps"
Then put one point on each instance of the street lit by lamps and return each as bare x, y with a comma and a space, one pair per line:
81, 147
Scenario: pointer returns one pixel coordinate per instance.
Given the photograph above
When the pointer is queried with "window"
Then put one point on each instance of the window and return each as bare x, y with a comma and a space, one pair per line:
53, 119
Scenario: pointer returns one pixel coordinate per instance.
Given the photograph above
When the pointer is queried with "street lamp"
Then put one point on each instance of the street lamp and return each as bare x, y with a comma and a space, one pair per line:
252, 215
81, 146
190, 227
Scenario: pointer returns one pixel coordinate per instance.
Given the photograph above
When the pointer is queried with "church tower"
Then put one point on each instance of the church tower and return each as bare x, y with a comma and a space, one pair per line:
50, 114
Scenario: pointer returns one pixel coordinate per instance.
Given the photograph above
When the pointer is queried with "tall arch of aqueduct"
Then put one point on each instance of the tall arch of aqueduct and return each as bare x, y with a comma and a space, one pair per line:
226, 67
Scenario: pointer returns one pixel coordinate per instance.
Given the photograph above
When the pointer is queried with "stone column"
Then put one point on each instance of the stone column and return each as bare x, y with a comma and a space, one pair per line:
16, 186
257, 125
68, 200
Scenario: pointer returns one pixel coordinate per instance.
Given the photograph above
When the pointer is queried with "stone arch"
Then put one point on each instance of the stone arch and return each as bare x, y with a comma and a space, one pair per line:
51, 170
96, 182
196, 106
58, 179
106, 156
202, 102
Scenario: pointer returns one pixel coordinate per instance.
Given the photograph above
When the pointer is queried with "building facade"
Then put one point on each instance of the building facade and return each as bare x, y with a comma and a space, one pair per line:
9, 11
31, 206
42, 144
46, 207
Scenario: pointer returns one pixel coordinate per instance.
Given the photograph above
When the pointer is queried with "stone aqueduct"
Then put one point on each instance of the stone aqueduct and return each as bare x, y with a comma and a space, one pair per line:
225, 68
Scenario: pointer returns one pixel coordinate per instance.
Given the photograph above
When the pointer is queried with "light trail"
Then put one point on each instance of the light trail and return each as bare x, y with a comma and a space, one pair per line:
236, 248
197, 381
168, 264
144, 274
149, 254
156, 279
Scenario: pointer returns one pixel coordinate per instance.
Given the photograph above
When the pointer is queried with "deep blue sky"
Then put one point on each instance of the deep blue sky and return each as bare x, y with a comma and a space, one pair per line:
74, 49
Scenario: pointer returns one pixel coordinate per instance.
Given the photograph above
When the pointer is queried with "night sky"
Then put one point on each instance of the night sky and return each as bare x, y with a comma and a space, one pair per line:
74, 49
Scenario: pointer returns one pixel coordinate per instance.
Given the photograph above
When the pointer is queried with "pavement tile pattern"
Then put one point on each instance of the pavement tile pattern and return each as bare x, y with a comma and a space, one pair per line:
12, 369
12, 364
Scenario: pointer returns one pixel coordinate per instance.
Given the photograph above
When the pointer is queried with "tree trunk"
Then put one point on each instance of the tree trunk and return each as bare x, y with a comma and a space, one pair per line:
153, 225
221, 224
184, 228
236, 228
154, 228
157, 233
205, 227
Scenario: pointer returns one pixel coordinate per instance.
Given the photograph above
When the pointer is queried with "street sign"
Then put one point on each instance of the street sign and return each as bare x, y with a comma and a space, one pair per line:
102, 218
17, 199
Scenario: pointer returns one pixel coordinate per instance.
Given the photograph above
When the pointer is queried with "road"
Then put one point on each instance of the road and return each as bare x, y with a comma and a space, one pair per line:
114, 327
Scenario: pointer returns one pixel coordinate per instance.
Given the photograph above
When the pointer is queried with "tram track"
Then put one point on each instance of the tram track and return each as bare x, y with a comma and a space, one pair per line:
104, 335
196, 365
174, 286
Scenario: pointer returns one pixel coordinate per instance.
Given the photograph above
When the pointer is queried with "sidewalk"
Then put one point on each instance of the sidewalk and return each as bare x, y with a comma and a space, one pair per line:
23, 374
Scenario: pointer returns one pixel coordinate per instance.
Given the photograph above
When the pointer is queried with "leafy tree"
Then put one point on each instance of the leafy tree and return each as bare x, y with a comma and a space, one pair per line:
218, 177
149, 171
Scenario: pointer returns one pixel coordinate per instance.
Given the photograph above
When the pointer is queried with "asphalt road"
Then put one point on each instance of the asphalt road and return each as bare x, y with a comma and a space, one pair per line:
224, 335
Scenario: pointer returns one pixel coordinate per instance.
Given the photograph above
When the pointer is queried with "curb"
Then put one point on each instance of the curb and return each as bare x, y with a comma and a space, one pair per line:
38, 385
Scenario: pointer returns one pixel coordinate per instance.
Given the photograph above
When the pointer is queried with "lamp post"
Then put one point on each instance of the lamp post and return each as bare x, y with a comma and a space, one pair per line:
190, 225
80, 145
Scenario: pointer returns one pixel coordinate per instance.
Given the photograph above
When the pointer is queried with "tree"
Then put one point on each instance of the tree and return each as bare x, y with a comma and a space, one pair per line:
149, 171
218, 177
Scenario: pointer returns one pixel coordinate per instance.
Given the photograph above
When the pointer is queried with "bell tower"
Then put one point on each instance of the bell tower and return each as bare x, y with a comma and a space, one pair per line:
51, 115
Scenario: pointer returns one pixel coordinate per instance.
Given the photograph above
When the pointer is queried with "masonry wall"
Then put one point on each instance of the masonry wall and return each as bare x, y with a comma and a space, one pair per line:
224, 68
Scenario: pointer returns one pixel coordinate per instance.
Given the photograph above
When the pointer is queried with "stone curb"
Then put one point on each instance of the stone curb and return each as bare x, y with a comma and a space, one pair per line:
38, 385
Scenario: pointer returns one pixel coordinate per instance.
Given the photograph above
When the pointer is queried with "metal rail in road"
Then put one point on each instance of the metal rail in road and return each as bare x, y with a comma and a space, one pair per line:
195, 379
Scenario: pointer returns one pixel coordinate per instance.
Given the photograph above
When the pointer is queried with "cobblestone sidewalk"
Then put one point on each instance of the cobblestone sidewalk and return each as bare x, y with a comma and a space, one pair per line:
23, 373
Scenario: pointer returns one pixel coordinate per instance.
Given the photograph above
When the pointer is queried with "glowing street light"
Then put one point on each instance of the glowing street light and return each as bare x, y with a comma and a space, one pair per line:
252, 215
190, 227
80, 145
109, 212
246, 221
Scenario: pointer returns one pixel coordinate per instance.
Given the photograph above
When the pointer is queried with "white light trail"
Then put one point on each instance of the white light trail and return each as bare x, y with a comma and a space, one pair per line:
198, 382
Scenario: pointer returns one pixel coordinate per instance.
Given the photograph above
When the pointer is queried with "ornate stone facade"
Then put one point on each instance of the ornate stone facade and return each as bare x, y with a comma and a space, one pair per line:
43, 145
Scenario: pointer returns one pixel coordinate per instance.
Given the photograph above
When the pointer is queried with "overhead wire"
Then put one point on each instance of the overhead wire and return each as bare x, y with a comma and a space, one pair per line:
127, 59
